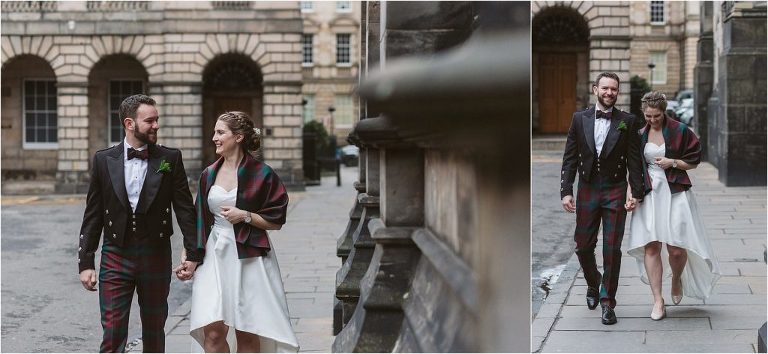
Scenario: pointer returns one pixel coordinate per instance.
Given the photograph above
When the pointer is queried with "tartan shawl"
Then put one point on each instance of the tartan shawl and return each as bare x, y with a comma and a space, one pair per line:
680, 143
259, 191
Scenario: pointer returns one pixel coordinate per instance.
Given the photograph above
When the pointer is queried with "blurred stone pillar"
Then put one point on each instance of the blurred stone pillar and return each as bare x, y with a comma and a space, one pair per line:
703, 74
741, 71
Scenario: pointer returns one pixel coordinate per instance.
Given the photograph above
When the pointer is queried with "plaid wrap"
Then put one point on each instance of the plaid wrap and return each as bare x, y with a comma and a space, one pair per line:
680, 143
601, 200
259, 191
144, 265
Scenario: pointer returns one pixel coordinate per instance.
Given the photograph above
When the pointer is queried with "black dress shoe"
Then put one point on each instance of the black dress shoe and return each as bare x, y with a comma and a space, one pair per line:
593, 297
608, 317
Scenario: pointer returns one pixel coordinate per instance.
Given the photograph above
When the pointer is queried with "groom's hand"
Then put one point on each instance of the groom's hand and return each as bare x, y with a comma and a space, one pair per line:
631, 204
185, 270
88, 279
568, 204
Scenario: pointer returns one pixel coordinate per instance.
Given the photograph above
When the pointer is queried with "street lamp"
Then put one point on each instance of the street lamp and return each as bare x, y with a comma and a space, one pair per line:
651, 66
331, 109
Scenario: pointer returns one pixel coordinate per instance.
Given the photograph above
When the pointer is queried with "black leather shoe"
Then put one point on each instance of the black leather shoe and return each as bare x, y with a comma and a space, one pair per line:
608, 317
593, 297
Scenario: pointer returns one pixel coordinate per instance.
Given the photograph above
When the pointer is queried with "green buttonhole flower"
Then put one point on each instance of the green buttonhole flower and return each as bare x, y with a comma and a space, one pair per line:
622, 126
164, 167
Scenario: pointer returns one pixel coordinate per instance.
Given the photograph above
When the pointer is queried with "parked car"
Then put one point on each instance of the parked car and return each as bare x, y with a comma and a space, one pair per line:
675, 103
685, 111
350, 155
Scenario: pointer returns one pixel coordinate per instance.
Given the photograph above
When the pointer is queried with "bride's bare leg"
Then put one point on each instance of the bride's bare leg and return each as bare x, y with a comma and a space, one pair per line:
677, 258
654, 270
247, 342
216, 338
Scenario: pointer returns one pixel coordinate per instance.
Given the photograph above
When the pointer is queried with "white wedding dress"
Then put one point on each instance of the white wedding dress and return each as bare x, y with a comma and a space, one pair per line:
673, 219
247, 294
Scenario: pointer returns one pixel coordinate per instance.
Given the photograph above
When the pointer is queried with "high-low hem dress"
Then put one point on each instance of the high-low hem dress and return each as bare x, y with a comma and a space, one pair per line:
246, 294
673, 219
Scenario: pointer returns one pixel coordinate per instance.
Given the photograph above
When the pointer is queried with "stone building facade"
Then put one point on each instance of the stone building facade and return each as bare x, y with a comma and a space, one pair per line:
67, 65
730, 90
330, 64
573, 41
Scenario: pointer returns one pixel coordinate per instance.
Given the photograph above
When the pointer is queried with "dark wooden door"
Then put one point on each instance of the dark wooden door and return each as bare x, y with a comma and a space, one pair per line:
557, 91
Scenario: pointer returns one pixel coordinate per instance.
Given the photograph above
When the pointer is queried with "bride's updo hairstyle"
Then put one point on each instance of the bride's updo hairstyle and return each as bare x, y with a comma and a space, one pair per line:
240, 123
654, 99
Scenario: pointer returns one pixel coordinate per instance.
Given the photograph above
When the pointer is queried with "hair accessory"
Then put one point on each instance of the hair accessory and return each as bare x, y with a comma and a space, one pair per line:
257, 131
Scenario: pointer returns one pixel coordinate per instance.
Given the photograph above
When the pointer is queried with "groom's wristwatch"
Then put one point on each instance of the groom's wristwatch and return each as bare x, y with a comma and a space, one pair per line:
247, 217
674, 163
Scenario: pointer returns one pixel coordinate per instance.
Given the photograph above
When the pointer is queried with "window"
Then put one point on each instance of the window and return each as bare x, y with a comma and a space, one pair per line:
657, 12
40, 114
307, 6
118, 91
343, 6
660, 71
344, 115
306, 49
309, 108
342, 49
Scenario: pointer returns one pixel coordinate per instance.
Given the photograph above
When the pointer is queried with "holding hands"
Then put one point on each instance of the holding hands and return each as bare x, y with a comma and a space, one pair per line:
186, 269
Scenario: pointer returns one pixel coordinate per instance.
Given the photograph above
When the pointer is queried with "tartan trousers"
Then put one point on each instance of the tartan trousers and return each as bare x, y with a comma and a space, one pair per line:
601, 200
142, 265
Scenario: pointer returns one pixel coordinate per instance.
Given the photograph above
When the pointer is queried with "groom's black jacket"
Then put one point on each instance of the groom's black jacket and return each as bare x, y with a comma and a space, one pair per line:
108, 210
621, 152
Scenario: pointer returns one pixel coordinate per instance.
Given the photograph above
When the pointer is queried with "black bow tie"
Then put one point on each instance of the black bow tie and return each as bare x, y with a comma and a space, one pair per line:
601, 114
140, 154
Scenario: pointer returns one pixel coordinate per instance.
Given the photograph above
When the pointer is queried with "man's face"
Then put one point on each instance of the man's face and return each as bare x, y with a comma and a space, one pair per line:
145, 125
606, 91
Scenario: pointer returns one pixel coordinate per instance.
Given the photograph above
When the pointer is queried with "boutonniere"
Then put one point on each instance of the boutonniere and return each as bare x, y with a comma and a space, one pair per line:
165, 166
622, 126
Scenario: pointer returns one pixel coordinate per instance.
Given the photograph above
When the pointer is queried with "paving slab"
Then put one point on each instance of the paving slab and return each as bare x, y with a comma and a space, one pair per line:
735, 220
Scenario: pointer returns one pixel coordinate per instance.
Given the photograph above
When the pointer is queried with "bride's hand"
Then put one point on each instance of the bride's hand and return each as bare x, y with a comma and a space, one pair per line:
663, 162
232, 214
631, 204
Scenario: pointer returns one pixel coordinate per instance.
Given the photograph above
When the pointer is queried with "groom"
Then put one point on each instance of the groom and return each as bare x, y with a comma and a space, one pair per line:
602, 146
133, 186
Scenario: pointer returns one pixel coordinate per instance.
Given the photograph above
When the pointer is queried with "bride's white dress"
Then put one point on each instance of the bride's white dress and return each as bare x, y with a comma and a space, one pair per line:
673, 219
247, 294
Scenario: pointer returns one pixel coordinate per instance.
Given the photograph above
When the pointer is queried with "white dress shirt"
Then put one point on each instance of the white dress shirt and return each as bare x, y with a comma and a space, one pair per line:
602, 126
135, 171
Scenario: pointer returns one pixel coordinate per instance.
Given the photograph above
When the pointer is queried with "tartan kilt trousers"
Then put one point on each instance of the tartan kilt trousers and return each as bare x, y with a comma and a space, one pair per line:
142, 265
601, 201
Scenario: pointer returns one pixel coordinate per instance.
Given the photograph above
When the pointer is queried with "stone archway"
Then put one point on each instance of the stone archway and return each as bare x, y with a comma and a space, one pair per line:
112, 79
231, 82
559, 67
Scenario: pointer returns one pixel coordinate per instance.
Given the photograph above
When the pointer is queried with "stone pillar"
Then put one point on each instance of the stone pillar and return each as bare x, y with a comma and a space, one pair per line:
378, 316
609, 46
181, 120
354, 268
73, 172
703, 77
742, 82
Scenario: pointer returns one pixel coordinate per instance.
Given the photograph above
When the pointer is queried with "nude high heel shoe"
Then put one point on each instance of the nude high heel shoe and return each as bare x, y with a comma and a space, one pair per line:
658, 316
676, 298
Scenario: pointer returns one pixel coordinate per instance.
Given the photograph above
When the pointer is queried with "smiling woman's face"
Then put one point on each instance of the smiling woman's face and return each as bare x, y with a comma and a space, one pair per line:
654, 117
225, 140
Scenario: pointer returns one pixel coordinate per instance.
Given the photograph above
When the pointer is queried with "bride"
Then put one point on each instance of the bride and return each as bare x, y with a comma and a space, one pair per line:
669, 214
238, 287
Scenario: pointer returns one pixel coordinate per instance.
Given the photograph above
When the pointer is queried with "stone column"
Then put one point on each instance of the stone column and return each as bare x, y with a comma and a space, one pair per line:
703, 76
742, 82
609, 47
74, 163
378, 316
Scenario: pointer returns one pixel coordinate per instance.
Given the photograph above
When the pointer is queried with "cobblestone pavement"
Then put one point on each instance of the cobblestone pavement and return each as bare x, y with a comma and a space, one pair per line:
735, 220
